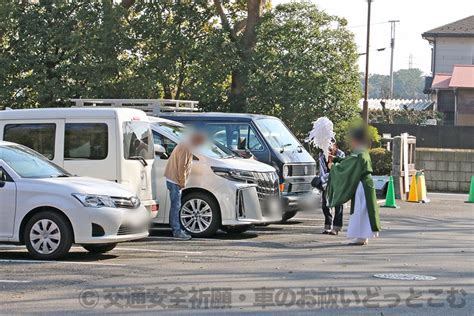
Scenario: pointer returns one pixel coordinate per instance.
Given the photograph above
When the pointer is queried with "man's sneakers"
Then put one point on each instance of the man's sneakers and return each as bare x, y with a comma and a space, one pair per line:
181, 235
331, 232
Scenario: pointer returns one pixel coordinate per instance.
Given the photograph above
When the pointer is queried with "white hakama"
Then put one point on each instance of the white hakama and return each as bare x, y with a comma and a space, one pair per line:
359, 222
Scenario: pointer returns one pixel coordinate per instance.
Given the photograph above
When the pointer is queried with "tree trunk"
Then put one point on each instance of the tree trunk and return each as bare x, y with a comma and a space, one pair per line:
245, 46
237, 97
167, 92
127, 3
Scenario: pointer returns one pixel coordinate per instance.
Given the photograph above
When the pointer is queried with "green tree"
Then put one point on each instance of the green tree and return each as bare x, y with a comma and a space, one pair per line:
304, 67
239, 20
408, 84
170, 39
55, 50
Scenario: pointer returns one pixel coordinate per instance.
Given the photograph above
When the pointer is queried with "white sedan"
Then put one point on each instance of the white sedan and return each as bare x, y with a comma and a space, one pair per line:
48, 209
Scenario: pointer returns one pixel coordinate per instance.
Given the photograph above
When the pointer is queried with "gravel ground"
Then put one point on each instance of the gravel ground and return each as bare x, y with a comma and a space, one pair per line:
286, 268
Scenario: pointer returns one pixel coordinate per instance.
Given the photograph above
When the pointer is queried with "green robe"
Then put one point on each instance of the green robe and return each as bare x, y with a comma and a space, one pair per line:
344, 178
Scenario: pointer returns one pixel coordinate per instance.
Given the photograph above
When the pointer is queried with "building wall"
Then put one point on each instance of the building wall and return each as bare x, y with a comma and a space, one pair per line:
446, 170
451, 51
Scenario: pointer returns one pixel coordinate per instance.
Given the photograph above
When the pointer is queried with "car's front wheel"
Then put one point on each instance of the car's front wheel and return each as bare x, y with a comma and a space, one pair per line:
99, 248
200, 214
48, 236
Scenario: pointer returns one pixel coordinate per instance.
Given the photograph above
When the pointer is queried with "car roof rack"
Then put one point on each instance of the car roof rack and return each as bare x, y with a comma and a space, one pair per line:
149, 106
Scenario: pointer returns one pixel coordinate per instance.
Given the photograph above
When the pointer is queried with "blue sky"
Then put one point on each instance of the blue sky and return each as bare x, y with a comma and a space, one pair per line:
416, 17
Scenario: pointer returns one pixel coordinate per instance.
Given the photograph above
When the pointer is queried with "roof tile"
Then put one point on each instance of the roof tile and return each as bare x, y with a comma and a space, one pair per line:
463, 27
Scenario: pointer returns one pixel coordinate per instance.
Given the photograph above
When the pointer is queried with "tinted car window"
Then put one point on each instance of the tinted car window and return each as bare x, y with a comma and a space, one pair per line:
230, 135
39, 137
86, 141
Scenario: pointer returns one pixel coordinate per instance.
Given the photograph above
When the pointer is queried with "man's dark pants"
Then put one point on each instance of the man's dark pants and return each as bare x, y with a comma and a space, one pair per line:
330, 222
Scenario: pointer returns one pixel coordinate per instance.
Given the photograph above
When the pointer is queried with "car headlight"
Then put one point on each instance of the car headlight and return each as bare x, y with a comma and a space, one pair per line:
96, 201
285, 171
234, 174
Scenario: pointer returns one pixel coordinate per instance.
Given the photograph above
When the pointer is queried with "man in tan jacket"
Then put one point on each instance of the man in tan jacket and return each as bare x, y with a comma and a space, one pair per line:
177, 172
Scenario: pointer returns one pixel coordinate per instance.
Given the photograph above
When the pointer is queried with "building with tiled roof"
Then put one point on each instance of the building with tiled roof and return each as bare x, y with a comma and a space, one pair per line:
461, 28
452, 64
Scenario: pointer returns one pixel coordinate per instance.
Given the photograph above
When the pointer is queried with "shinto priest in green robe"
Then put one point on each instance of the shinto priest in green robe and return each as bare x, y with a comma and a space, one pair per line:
351, 179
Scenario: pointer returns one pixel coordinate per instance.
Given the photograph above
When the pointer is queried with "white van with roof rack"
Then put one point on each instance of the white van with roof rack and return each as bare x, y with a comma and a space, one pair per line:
110, 144
223, 191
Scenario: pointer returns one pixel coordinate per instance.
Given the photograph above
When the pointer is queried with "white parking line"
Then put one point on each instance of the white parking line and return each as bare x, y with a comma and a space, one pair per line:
292, 226
160, 250
60, 262
307, 219
173, 238
218, 239
14, 281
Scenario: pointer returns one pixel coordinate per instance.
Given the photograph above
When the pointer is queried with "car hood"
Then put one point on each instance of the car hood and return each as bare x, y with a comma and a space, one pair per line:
295, 156
86, 185
239, 164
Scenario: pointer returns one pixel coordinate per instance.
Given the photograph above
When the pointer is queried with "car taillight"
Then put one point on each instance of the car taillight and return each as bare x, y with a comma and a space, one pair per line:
155, 207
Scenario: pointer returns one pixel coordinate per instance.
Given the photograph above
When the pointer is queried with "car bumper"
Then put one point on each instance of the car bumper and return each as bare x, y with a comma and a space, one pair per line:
247, 209
301, 202
110, 225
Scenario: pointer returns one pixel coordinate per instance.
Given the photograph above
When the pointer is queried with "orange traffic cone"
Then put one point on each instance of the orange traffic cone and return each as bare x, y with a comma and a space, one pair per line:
413, 194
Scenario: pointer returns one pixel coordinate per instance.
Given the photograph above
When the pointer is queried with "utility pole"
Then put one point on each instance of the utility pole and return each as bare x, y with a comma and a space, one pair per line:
392, 46
365, 106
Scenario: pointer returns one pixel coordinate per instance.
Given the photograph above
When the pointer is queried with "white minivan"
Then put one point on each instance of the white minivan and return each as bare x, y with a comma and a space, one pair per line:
48, 209
223, 191
106, 143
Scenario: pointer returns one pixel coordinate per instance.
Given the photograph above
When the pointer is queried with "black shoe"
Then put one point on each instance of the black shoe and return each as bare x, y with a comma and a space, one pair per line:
182, 236
326, 232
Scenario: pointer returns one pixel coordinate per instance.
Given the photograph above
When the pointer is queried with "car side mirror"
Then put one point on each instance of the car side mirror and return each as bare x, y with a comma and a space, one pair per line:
160, 151
3, 178
242, 143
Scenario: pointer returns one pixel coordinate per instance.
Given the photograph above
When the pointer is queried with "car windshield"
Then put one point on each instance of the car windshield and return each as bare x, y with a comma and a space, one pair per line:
138, 140
29, 164
277, 134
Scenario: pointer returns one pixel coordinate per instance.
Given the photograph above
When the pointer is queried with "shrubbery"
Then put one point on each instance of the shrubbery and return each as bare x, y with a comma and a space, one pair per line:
381, 161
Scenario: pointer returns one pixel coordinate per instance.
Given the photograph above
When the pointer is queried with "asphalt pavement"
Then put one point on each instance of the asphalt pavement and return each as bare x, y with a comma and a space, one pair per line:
285, 268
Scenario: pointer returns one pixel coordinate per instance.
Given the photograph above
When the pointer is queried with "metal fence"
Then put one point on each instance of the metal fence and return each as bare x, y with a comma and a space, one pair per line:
433, 136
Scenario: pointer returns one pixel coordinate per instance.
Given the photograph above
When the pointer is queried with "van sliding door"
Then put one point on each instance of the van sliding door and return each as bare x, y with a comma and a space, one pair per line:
90, 148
